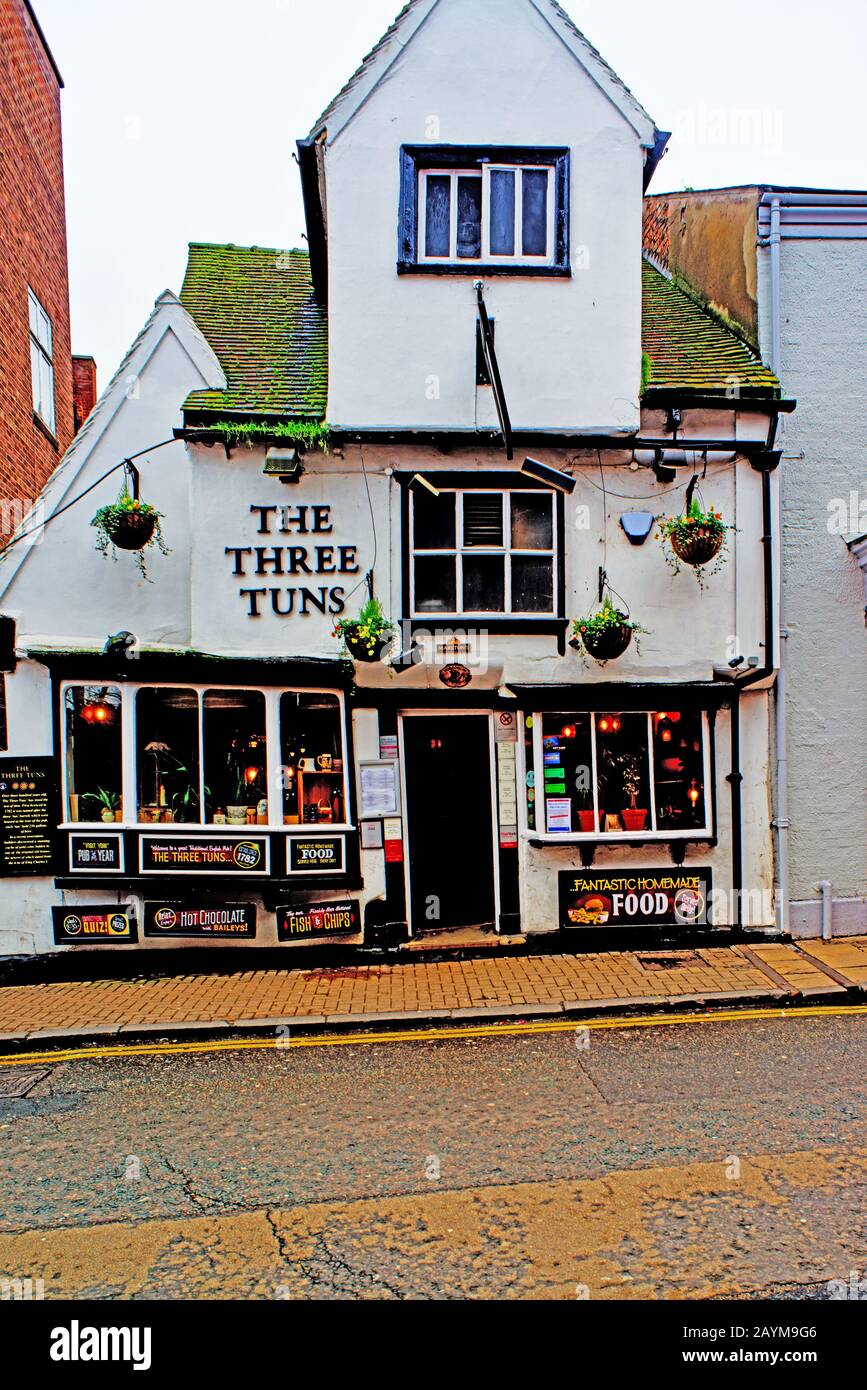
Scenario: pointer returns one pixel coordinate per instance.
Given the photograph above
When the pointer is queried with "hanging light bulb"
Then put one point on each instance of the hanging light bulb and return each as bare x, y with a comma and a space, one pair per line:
694, 792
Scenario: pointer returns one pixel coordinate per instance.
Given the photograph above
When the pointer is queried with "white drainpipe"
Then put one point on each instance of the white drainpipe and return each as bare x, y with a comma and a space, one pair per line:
827, 910
781, 720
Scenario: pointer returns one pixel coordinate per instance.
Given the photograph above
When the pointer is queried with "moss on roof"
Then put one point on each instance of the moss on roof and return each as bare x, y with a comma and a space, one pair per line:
691, 350
256, 308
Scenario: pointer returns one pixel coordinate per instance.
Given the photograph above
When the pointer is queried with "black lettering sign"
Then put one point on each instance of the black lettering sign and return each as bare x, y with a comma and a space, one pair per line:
323, 920
94, 854
325, 855
635, 897
235, 921
78, 926
204, 855
27, 817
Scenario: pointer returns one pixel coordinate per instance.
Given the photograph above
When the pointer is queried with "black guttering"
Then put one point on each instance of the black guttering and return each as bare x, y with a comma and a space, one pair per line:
654, 155
314, 214
200, 431
42, 39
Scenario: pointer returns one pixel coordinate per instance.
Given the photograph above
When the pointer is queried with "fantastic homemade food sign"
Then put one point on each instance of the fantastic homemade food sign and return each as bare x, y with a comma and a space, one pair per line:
295, 571
643, 897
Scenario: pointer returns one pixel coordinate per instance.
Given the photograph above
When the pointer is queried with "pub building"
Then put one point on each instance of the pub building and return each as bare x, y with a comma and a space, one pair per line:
469, 406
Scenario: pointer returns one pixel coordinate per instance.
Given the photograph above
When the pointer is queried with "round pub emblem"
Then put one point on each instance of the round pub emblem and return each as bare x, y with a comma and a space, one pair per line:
72, 925
165, 918
247, 855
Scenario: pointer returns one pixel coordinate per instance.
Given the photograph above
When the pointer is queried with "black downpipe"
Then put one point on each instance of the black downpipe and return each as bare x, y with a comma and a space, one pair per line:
767, 464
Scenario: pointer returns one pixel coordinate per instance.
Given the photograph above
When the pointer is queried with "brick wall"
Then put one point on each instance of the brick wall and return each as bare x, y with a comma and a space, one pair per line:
656, 233
32, 253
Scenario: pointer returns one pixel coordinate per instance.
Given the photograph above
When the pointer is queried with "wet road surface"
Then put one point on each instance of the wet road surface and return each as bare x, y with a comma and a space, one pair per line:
702, 1160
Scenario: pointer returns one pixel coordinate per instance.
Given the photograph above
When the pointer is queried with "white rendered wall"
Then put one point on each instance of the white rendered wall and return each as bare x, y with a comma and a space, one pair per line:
402, 348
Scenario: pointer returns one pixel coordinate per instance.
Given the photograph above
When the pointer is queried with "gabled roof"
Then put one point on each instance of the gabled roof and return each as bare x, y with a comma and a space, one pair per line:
410, 20
256, 308
690, 350
167, 317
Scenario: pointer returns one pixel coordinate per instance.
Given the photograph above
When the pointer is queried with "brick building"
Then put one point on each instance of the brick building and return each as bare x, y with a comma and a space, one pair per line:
36, 384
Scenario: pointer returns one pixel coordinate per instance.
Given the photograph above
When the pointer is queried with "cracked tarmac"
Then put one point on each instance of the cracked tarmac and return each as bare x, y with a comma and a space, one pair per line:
712, 1160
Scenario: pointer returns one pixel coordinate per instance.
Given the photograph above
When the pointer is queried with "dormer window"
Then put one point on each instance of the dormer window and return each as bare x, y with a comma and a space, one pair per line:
484, 209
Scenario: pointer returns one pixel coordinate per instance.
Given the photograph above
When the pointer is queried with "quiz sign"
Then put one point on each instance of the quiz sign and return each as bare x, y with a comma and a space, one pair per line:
635, 898
80, 925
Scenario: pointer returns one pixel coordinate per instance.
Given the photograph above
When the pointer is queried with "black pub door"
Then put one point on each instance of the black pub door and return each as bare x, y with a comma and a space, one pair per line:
449, 821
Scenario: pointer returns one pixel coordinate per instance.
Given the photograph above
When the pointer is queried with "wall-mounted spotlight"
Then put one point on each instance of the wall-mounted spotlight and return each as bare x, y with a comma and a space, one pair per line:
406, 660
284, 464
545, 473
420, 481
119, 644
661, 471
637, 525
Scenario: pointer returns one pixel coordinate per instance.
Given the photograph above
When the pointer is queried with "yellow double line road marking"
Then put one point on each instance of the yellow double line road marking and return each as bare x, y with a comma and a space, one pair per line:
425, 1035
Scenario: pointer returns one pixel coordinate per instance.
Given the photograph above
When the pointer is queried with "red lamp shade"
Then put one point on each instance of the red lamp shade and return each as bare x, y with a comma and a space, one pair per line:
98, 712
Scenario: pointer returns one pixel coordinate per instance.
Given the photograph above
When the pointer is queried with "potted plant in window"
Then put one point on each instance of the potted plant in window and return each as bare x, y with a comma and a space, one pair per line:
185, 797
367, 636
634, 818
586, 814
606, 634
109, 803
696, 539
129, 524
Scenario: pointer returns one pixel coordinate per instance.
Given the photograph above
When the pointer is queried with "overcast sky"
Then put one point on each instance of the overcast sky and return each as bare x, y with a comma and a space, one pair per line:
180, 117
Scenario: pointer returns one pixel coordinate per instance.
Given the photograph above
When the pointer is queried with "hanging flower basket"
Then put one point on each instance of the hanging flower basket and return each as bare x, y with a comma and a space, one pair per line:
696, 539
369, 635
604, 635
129, 524
131, 530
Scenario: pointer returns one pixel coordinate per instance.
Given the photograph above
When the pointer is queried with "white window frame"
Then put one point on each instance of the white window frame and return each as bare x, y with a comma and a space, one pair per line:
41, 362
506, 551
487, 257
129, 791
652, 834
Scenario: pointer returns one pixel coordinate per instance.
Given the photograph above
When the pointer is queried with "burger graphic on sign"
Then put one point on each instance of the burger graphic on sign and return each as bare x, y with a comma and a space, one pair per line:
592, 912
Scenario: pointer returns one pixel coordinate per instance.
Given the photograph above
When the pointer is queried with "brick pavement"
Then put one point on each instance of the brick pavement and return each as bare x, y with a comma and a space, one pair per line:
417, 989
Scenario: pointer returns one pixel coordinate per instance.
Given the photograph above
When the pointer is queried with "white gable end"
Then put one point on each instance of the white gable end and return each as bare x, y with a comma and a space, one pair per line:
138, 409
498, 73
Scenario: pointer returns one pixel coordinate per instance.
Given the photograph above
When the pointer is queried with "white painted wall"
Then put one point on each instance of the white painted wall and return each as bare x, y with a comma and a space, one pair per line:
824, 365
402, 348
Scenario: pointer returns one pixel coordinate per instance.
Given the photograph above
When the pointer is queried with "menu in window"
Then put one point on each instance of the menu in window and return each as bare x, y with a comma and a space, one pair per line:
26, 816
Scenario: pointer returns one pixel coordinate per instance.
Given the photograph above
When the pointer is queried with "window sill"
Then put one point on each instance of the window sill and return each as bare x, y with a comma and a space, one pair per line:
551, 272
541, 840
44, 429
477, 622
161, 827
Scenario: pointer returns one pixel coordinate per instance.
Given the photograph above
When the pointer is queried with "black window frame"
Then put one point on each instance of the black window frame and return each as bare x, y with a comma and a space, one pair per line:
506, 624
415, 159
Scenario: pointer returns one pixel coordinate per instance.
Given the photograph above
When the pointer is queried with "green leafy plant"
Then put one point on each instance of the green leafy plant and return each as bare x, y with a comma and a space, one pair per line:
108, 801
313, 434
366, 633
125, 518
695, 538
605, 634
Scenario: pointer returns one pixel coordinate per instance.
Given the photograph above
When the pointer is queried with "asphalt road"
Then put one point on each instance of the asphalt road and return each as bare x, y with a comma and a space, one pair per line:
707, 1160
